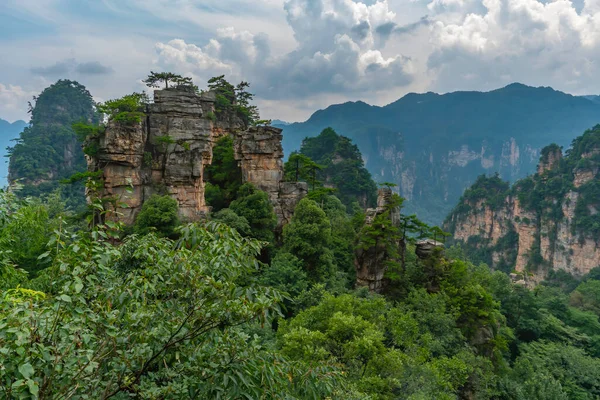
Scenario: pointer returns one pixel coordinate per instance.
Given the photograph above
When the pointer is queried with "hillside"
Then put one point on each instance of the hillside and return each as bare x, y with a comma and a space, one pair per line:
434, 146
547, 221
8, 132
48, 150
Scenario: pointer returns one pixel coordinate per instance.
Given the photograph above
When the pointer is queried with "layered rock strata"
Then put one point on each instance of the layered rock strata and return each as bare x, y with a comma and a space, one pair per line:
166, 153
531, 241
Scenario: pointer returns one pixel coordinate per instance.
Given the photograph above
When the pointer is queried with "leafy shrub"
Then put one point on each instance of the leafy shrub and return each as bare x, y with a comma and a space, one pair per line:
158, 214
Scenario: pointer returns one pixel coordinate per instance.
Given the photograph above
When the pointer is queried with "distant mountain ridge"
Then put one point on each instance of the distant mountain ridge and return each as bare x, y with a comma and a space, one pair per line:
8, 132
435, 145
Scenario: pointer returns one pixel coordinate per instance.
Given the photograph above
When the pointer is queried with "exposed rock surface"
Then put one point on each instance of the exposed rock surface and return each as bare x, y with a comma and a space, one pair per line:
553, 232
425, 248
550, 159
166, 153
370, 263
260, 156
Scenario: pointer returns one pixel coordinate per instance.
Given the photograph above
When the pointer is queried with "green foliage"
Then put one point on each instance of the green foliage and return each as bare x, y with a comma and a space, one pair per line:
234, 99
224, 176
413, 349
148, 318
586, 220
155, 79
491, 189
48, 150
308, 237
286, 274
336, 161
158, 214
587, 296
231, 219
127, 110
254, 205
27, 232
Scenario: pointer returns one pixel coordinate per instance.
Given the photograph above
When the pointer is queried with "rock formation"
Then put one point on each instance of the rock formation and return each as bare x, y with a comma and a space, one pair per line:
166, 153
371, 263
546, 222
425, 248
260, 157
550, 158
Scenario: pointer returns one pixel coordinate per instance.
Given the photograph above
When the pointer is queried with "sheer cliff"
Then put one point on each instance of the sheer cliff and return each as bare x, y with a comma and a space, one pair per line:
167, 151
434, 146
547, 221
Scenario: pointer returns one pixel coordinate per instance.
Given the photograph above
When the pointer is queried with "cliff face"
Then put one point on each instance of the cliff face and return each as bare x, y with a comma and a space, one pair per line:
548, 221
166, 153
371, 263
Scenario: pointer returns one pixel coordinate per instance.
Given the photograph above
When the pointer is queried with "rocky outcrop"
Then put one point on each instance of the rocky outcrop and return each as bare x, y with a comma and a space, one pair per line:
551, 156
167, 151
371, 263
260, 156
553, 230
426, 248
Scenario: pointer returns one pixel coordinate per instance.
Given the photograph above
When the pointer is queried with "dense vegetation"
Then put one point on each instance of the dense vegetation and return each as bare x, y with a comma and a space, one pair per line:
48, 150
230, 309
332, 160
198, 316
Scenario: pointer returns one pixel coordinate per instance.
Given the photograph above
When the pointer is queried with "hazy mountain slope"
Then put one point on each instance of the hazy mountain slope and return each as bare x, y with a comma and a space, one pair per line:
434, 146
547, 221
8, 132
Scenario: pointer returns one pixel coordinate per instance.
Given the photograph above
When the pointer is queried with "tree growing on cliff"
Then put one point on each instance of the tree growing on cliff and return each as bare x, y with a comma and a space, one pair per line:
234, 98
155, 79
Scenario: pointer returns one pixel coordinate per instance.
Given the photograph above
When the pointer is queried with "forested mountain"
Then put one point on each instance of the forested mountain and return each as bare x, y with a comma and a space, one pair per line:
227, 306
8, 132
48, 150
434, 146
546, 222
335, 162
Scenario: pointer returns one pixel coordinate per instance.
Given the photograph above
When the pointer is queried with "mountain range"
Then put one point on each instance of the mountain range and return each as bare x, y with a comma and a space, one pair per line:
8, 132
433, 146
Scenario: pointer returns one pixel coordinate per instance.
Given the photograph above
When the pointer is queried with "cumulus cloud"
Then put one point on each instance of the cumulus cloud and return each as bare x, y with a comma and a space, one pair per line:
541, 43
14, 100
69, 66
339, 50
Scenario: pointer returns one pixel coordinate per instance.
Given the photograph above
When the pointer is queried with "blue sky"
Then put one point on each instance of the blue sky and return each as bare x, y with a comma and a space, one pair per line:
299, 55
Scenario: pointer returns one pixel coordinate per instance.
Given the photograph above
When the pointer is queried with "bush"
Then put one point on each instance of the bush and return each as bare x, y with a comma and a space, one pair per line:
159, 213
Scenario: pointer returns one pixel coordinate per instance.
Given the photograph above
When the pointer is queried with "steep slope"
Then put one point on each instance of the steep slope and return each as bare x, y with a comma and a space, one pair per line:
341, 167
48, 149
434, 146
547, 221
8, 132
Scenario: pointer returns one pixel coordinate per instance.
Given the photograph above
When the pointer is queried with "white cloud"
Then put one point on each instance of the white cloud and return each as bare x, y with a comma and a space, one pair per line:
541, 43
14, 102
339, 51
300, 55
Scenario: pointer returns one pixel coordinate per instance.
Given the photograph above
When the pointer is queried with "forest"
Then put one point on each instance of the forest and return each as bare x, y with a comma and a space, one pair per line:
231, 308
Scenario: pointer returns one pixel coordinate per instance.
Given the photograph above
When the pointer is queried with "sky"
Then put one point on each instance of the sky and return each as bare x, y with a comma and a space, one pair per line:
298, 55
